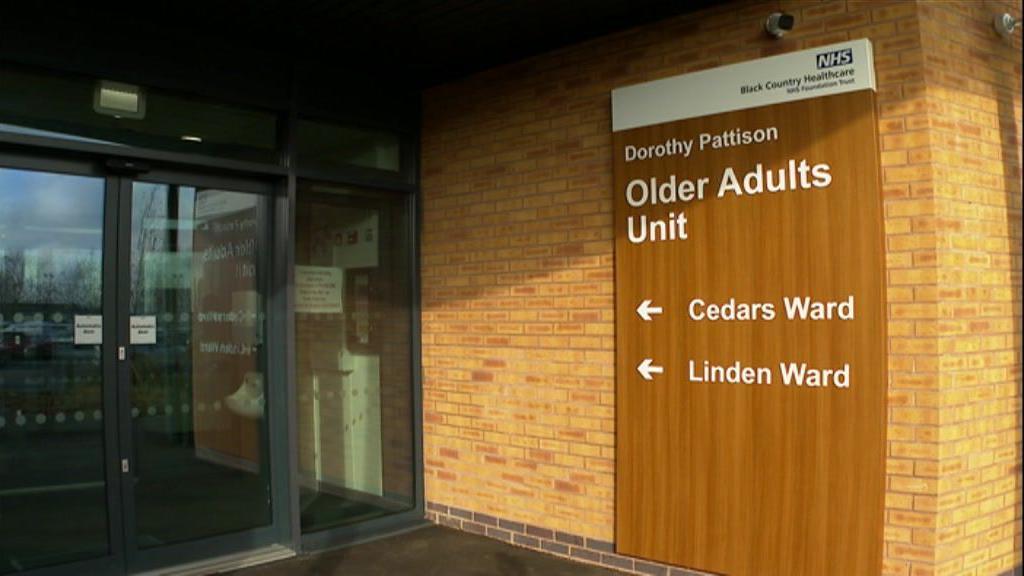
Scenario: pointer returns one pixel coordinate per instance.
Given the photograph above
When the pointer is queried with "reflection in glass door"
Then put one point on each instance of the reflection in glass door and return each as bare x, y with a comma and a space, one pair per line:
133, 411
53, 486
197, 386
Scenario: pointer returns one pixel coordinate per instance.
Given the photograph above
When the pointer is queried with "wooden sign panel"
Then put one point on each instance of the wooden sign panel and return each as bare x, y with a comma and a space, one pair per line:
751, 343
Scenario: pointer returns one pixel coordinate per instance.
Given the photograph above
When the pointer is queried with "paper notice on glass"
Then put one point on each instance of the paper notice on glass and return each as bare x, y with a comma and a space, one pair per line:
317, 290
88, 329
142, 330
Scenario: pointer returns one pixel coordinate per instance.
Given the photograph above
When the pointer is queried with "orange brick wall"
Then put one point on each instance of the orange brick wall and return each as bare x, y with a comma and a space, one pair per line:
973, 80
517, 262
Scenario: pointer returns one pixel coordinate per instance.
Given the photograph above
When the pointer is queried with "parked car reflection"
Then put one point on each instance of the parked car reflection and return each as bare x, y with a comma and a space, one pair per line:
42, 340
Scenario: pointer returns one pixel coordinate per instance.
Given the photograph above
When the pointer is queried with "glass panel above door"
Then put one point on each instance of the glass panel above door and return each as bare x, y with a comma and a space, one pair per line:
198, 362
53, 503
91, 110
323, 146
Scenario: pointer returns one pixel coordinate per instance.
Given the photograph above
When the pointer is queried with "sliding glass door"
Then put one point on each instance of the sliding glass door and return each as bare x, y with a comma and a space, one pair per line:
144, 395
193, 278
54, 505
134, 412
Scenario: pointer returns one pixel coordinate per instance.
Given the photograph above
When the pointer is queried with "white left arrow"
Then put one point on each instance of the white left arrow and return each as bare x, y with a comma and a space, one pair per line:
646, 368
645, 310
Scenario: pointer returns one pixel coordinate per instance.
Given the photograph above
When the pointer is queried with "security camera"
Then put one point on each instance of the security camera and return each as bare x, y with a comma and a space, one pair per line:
1005, 24
778, 23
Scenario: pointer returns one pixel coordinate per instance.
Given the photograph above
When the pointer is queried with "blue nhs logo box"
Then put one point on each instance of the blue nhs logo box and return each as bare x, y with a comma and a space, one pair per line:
842, 57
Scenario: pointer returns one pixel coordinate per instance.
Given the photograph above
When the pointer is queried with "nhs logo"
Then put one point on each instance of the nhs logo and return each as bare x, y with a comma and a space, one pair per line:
842, 57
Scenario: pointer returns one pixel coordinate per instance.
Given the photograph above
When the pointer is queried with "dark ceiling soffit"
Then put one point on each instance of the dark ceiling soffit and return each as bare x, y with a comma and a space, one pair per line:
398, 44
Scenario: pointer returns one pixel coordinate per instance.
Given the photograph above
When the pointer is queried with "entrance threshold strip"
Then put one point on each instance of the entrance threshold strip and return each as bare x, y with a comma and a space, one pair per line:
230, 562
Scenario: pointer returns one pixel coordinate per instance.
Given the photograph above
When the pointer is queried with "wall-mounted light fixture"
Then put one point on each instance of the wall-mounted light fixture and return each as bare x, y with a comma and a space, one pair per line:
1005, 24
778, 23
119, 100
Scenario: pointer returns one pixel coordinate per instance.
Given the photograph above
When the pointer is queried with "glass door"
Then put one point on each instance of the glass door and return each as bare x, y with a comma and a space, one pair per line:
134, 412
58, 488
194, 435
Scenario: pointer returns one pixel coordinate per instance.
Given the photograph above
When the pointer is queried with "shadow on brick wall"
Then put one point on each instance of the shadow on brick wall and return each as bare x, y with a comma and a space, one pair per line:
1010, 139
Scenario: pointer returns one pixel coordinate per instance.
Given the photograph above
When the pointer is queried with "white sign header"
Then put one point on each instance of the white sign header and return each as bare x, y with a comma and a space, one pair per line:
823, 71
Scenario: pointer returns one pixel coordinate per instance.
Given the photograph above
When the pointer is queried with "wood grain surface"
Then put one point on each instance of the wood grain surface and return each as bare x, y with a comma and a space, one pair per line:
756, 478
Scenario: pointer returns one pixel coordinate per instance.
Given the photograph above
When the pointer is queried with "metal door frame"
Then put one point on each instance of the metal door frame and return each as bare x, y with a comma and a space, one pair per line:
123, 554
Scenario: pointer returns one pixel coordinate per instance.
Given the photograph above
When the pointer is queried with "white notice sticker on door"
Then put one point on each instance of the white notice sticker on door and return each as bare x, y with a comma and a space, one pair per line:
88, 329
318, 290
142, 330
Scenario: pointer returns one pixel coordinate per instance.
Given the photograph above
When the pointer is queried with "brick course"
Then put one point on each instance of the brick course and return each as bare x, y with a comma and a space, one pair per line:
517, 256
